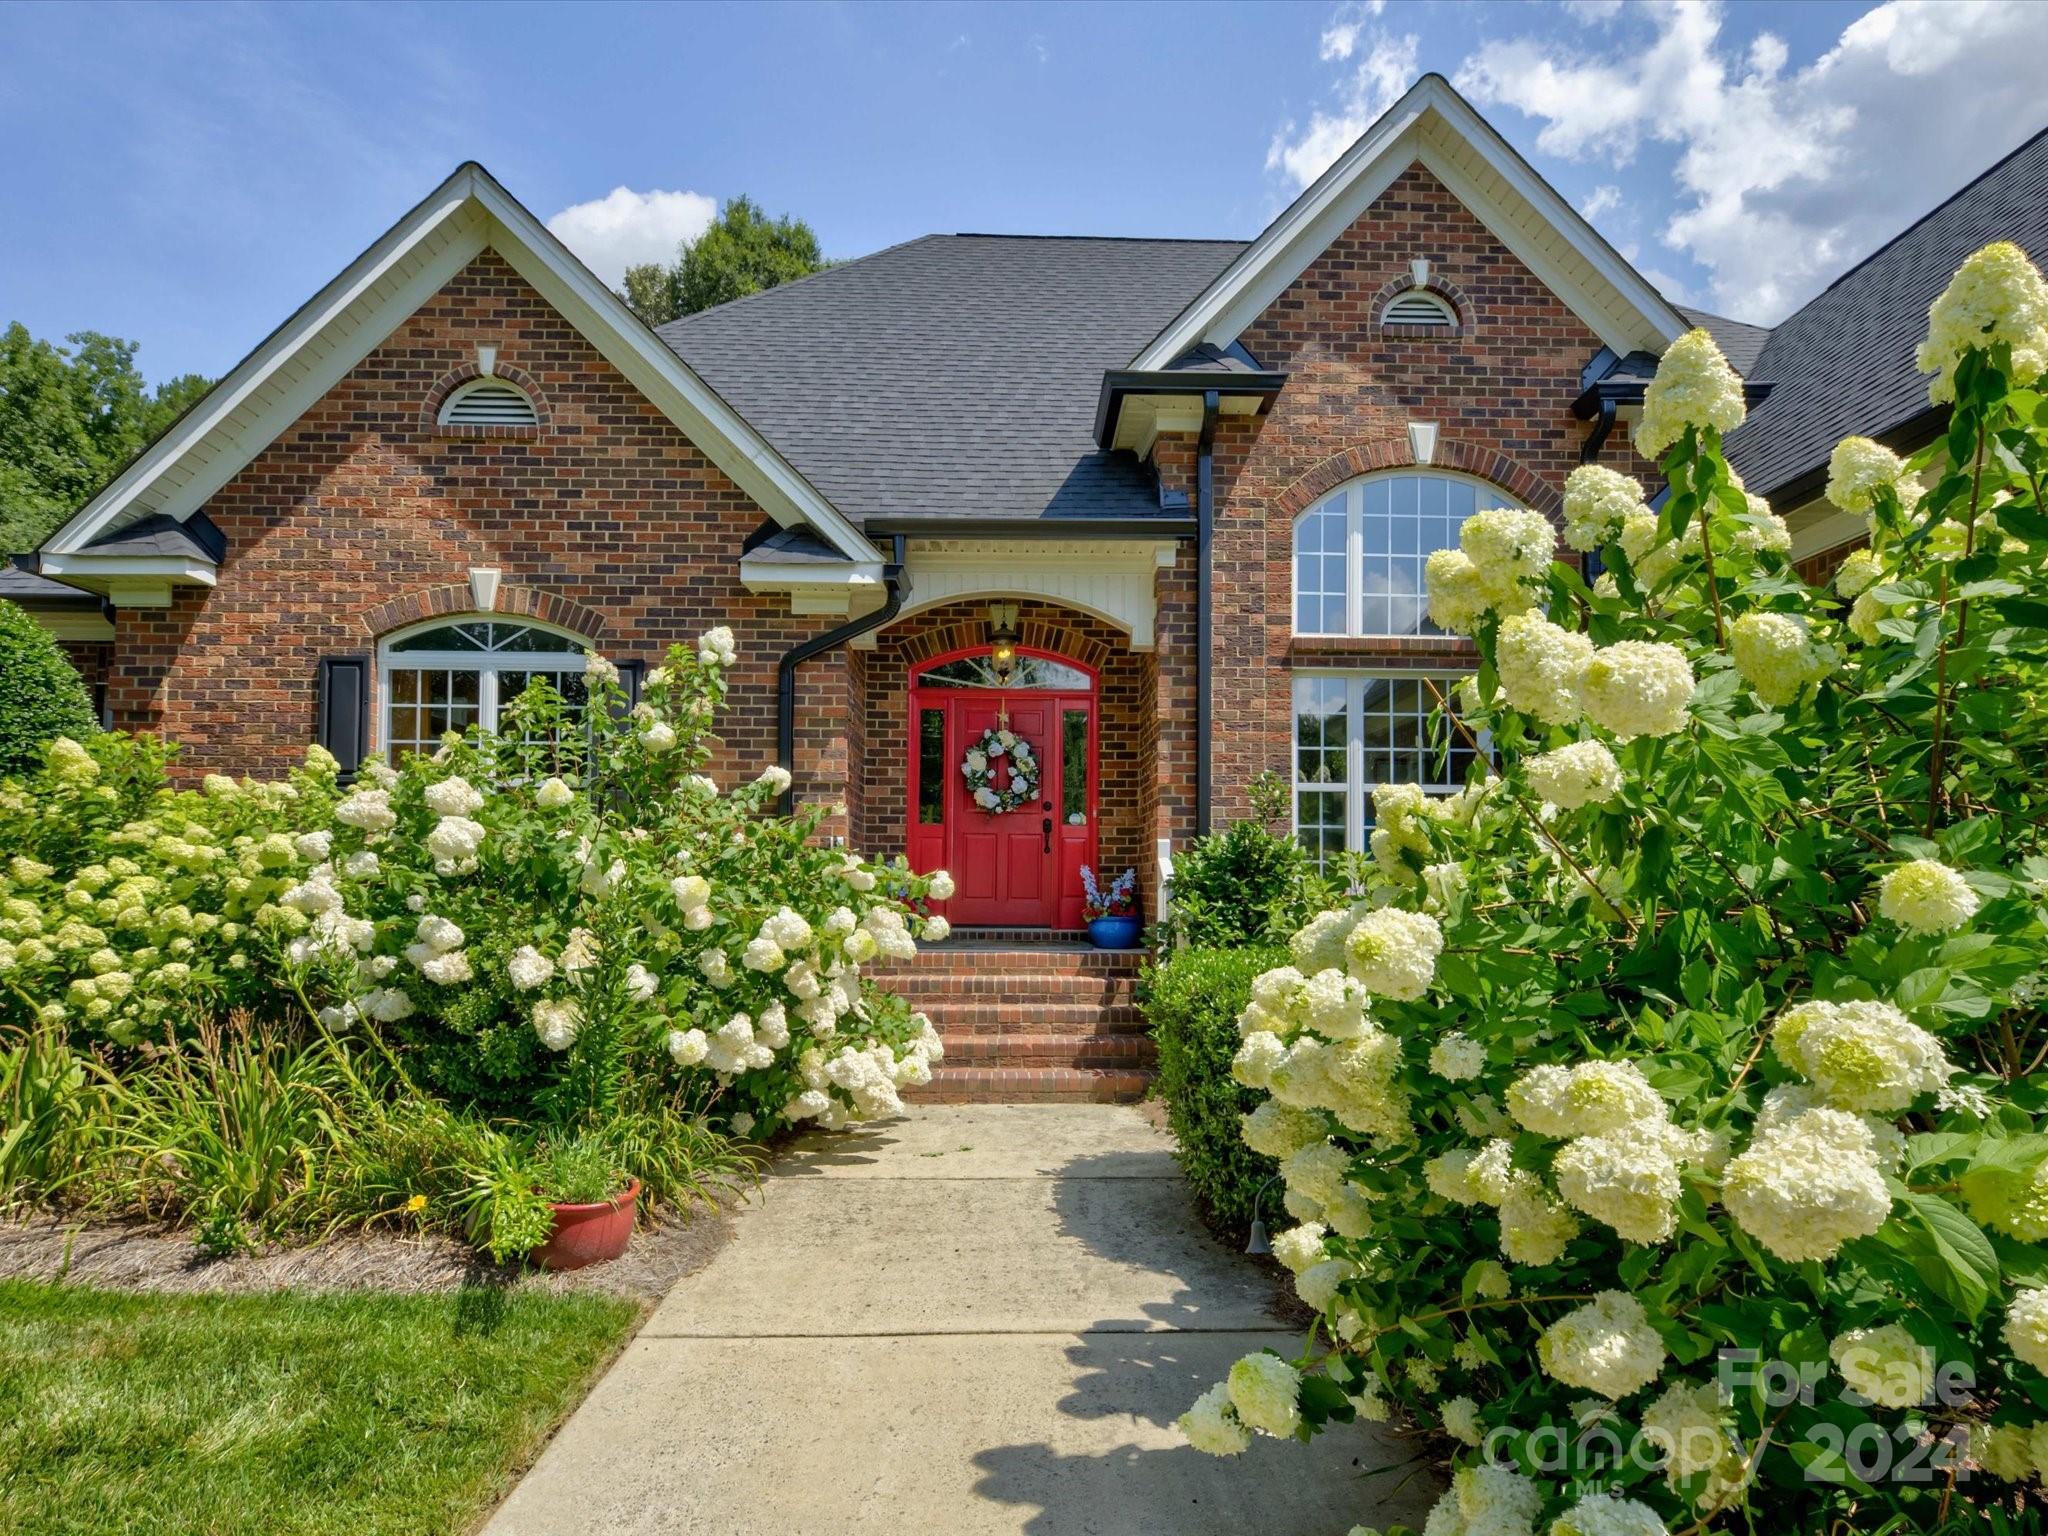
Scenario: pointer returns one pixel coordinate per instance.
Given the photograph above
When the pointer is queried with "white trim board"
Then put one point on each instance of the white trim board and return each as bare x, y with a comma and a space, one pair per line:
370, 299
1436, 126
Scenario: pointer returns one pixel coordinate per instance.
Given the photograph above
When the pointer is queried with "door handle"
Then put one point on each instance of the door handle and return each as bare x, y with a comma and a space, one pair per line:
1045, 826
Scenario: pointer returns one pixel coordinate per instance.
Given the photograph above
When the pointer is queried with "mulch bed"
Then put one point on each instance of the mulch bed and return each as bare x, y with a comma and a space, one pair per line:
140, 1255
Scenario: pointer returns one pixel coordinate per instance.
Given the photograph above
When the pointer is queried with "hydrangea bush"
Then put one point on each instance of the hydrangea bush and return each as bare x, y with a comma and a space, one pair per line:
1664, 1123
529, 918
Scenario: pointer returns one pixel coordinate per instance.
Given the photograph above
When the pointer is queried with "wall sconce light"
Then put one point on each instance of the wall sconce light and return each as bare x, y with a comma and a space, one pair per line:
1002, 618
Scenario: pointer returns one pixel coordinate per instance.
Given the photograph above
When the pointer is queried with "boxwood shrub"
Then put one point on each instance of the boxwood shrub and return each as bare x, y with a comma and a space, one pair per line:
1192, 1002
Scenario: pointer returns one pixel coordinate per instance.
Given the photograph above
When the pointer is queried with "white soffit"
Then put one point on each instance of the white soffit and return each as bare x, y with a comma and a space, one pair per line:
313, 350
1112, 579
1438, 128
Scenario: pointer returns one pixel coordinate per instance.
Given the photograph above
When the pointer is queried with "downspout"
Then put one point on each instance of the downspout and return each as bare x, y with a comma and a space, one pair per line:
1205, 542
896, 586
1597, 438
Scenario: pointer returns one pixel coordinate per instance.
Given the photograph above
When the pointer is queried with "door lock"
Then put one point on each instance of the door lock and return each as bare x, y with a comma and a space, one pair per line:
1045, 826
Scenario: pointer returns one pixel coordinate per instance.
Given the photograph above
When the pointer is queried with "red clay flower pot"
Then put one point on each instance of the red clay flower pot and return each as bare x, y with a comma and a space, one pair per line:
590, 1234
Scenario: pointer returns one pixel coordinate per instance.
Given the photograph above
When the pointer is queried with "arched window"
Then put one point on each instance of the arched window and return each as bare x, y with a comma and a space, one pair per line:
1418, 306
455, 673
1359, 551
489, 402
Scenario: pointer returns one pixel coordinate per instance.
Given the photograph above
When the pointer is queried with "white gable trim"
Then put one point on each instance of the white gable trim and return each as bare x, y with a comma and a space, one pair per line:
1432, 124
313, 350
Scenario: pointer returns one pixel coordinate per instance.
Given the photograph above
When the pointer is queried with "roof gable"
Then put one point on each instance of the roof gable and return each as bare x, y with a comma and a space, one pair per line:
1432, 125
317, 346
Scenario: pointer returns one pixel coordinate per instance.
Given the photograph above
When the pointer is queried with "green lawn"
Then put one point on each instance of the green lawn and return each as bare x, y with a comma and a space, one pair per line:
363, 1415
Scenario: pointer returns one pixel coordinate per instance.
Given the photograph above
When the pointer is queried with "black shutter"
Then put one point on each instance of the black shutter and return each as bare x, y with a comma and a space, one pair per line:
344, 710
630, 675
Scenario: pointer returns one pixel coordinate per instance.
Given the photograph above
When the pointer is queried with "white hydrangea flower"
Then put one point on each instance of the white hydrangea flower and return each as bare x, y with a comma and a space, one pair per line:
387, 1005
1636, 688
1301, 1246
1317, 1285
367, 809
1858, 571
788, 929
1864, 616
1600, 1514
1582, 773
2026, 1327
1394, 952
1627, 1180
1762, 529
580, 952
775, 778
1279, 1131
600, 880
1510, 548
1694, 387
715, 647
1776, 655
1925, 896
1605, 1346
1996, 296
529, 968
555, 1021
1457, 1057
1539, 667
936, 929
1805, 1188
1486, 1500
1334, 1005
941, 887
455, 840
1261, 1054
313, 847
1858, 469
1534, 1229
1596, 499
687, 1047
1886, 1364
702, 784
1461, 1420
1212, 1425
1265, 1390
641, 983
1651, 557
1866, 1057
453, 797
553, 794
658, 736
1590, 1099
595, 666
2005, 1451
361, 865
716, 966
692, 892
1458, 598
1685, 1423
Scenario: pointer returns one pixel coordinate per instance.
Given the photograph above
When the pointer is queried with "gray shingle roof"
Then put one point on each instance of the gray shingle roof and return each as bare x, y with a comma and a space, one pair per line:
955, 376
33, 591
1740, 342
1843, 362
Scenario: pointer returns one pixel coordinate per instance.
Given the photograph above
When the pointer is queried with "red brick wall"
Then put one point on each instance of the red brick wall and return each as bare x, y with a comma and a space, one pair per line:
1125, 696
365, 512
1499, 389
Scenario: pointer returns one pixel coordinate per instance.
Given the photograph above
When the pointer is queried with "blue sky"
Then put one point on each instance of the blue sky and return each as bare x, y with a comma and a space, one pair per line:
187, 175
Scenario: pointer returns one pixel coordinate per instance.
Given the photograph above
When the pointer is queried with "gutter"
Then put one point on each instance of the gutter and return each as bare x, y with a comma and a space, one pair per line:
1205, 547
1162, 527
896, 582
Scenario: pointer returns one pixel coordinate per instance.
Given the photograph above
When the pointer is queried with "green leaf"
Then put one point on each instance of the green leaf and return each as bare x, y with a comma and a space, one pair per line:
1951, 1253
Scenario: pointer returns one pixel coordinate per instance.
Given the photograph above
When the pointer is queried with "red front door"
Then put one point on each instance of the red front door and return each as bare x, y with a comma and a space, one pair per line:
1019, 868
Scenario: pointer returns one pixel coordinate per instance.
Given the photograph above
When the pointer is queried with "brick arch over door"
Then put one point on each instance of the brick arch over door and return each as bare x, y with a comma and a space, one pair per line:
1394, 452
514, 602
1127, 729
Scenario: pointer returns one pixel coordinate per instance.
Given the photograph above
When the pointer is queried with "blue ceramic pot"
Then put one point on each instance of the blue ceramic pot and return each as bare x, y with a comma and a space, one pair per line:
1113, 932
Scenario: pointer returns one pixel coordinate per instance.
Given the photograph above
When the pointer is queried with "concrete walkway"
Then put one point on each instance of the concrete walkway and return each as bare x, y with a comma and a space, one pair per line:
984, 1318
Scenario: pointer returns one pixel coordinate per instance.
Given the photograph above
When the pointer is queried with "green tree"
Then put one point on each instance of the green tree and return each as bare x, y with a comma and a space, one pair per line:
70, 419
744, 251
41, 695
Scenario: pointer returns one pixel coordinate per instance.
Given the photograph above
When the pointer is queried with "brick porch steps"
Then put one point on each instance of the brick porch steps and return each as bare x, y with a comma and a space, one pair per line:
1030, 1018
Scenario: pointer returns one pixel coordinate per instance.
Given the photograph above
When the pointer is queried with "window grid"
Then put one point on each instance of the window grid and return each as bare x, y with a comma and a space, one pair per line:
1359, 553
1354, 731
464, 673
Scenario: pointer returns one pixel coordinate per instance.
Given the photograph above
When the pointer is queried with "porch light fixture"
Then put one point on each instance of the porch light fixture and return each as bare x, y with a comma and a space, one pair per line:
1002, 618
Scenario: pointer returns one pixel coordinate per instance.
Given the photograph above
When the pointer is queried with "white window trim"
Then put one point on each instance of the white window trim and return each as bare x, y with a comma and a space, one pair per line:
1357, 789
486, 664
1353, 492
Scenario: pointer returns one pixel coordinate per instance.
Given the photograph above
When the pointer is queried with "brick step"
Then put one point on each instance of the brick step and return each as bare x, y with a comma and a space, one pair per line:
1100, 991
1034, 1085
1040, 1019
1038, 1050
938, 960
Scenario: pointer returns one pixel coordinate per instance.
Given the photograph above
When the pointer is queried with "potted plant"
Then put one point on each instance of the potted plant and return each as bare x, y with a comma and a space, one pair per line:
1112, 914
593, 1206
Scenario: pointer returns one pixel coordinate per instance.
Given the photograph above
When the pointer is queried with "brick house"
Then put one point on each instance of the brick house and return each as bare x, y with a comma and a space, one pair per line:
1160, 505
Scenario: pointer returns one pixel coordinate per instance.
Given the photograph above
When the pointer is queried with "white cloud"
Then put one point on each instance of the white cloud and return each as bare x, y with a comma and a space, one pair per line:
1382, 67
1782, 180
1600, 200
1593, 13
624, 228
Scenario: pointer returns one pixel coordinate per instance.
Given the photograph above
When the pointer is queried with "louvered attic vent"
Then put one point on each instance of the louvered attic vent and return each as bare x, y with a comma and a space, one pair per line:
1416, 307
488, 403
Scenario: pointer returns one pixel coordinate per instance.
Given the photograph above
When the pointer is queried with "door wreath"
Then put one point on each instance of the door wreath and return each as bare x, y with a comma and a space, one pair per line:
980, 768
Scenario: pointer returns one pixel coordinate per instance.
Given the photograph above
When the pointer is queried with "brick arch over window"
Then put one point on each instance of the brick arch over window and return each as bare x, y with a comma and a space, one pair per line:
1394, 452
448, 383
1462, 308
513, 603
